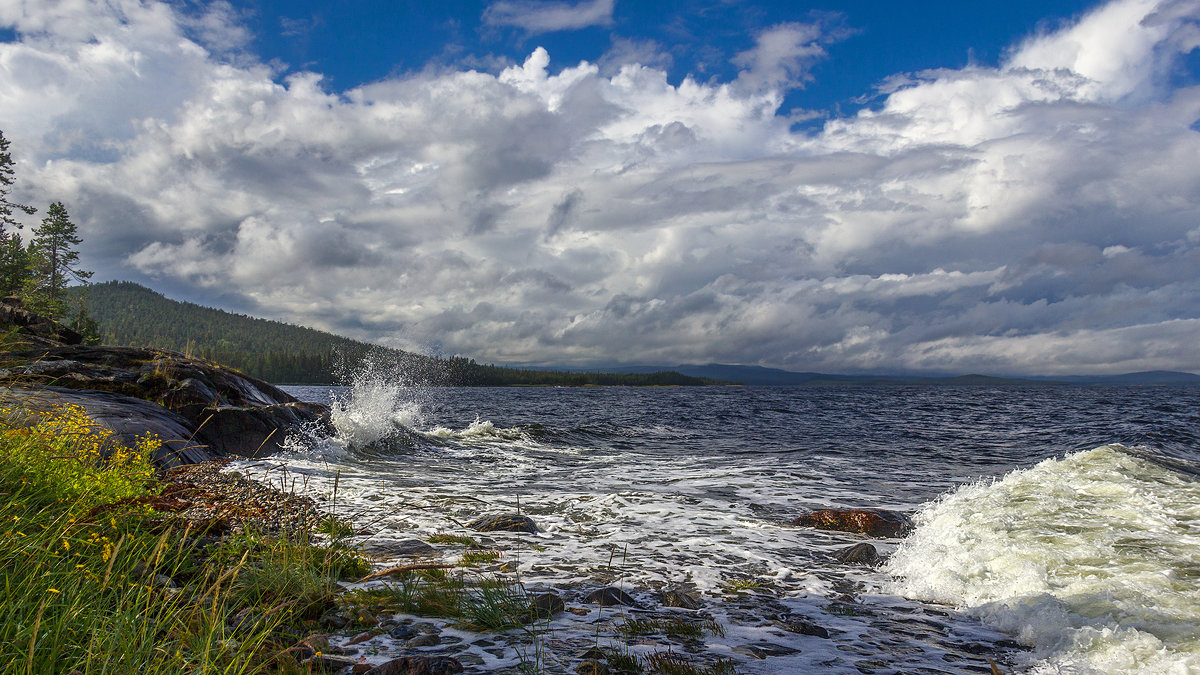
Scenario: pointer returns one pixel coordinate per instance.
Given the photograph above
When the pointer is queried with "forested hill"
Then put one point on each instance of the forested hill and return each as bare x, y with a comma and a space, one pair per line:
130, 314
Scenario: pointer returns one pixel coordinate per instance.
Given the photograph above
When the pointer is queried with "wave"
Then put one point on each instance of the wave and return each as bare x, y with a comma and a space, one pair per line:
380, 414
1091, 560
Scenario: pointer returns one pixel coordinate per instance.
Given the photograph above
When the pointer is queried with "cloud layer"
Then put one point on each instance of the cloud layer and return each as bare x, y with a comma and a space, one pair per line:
1042, 216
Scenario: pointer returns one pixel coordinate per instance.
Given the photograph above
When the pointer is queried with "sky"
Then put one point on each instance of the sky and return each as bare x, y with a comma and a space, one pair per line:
1008, 188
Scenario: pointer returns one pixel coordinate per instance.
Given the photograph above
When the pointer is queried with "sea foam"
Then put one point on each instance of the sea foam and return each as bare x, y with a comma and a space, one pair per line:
1091, 560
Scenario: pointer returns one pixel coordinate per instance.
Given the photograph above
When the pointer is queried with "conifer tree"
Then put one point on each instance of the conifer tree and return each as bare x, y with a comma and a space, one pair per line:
14, 263
54, 260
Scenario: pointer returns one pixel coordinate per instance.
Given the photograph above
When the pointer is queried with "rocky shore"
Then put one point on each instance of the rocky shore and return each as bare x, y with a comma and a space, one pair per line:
441, 604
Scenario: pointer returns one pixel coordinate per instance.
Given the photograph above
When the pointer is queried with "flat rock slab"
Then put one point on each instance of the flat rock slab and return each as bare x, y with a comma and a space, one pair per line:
504, 522
872, 522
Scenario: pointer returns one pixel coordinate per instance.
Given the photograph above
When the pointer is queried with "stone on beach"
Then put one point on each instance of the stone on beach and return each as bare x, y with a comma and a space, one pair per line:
872, 522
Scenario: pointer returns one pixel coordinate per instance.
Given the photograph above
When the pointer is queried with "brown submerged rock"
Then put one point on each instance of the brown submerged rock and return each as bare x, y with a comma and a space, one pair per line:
872, 522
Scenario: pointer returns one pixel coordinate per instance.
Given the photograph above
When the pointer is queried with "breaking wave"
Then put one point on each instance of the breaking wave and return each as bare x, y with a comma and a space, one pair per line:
381, 413
1091, 560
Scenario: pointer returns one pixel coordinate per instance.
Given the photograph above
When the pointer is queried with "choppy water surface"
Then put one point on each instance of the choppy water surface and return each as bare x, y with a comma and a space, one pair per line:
1058, 527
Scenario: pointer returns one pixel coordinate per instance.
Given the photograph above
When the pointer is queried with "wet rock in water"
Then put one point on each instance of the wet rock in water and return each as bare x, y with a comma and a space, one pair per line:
859, 554
402, 632
751, 651
545, 606
608, 597
419, 665
675, 598
802, 626
873, 522
409, 547
423, 640
504, 522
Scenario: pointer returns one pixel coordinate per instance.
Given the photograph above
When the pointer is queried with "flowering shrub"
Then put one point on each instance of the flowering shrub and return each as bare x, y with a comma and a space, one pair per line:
75, 460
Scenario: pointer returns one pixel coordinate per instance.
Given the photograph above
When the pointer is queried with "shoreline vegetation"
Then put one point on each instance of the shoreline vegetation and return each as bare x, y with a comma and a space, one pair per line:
113, 565
122, 552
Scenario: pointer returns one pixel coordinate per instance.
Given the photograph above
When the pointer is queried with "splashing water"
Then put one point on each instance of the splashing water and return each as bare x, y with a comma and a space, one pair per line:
1092, 560
376, 409
1089, 560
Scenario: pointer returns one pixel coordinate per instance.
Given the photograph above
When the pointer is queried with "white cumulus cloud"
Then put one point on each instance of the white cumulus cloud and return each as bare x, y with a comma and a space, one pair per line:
1038, 216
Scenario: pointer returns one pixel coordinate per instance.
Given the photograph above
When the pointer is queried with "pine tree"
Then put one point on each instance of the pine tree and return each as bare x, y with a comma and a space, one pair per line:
14, 264
54, 260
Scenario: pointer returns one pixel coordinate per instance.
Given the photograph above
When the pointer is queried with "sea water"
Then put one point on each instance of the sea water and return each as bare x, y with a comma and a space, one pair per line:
1057, 528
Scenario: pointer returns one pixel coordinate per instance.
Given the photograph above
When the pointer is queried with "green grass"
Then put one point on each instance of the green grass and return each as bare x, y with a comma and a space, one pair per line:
671, 627
480, 603
442, 538
473, 558
85, 563
670, 663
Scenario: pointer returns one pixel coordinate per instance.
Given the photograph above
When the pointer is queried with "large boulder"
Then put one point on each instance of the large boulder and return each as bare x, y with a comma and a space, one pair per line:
872, 522
231, 413
127, 418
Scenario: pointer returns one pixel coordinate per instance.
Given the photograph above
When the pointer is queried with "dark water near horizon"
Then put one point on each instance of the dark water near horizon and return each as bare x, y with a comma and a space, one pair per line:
698, 485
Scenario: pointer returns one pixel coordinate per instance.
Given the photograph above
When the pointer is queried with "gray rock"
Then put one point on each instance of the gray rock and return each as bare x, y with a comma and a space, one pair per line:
801, 625
608, 597
402, 632
423, 640
545, 606
751, 651
504, 522
674, 598
418, 665
408, 547
126, 417
859, 554
229, 412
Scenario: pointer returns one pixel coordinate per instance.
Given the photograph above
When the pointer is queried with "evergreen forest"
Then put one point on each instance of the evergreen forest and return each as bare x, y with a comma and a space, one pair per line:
130, 314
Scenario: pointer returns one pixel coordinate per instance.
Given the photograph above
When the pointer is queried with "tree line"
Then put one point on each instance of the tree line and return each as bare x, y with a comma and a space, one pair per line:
39, 271
278, 352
